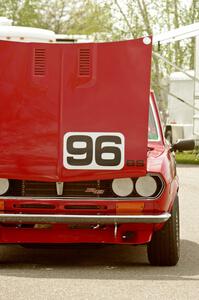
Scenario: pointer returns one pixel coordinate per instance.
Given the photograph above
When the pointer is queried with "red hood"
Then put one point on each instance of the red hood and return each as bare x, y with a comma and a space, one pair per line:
53, 94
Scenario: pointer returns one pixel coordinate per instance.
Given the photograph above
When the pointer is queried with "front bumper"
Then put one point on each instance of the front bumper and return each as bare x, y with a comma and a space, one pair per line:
97, 219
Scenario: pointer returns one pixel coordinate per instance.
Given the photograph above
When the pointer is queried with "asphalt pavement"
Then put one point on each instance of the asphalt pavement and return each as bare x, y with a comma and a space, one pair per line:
108, 272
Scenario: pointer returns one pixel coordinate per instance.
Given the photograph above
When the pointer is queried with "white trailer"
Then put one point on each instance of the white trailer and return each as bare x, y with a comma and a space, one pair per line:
180, 116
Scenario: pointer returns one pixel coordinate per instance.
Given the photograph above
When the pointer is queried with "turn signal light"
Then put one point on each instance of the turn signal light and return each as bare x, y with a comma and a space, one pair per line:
129, 207
1, 205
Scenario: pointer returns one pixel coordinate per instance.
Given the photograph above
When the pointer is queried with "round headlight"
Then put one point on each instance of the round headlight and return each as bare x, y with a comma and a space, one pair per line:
122, 186
146, 186
4, 185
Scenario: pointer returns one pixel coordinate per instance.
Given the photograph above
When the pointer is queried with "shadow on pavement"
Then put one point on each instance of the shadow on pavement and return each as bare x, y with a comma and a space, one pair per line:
105, 262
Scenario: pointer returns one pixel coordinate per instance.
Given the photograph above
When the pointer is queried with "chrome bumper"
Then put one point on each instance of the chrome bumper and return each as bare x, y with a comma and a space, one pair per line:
96, 219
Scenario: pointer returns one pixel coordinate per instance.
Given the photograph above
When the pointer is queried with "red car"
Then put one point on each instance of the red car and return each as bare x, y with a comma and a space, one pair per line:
80, 160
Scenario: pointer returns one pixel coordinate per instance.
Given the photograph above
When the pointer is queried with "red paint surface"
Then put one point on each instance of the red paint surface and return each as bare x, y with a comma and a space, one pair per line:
63, 234
39, 110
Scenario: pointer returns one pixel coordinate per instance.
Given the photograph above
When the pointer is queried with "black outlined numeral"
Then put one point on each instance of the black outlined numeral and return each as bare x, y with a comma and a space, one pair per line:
76, 151
100, 150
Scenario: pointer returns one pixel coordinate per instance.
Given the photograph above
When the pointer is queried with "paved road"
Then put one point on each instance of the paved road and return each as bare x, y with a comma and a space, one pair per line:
108, 272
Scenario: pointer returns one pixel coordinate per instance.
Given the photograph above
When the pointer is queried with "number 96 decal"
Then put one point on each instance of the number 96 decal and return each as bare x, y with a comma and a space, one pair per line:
93, 150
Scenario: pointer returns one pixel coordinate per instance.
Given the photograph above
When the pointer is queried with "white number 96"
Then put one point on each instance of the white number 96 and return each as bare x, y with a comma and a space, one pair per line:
93, 150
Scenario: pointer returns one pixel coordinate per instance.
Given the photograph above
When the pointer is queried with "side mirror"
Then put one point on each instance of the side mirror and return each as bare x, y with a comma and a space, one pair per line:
184, 145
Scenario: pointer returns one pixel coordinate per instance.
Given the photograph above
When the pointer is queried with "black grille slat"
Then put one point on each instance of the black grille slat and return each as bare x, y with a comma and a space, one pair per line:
78, 189
36, 205
48, 189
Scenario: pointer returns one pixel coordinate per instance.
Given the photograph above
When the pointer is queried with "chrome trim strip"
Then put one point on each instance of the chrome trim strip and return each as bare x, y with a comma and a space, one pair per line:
99, 219
23, 198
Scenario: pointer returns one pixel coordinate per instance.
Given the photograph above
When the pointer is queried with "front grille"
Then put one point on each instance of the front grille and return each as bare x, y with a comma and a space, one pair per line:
88, 189
48, 189
29, 188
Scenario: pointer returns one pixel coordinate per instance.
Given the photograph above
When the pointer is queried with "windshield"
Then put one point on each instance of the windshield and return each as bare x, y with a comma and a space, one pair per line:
152, 128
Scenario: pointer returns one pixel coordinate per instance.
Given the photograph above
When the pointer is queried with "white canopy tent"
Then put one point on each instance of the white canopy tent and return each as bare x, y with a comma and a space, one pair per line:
177, 34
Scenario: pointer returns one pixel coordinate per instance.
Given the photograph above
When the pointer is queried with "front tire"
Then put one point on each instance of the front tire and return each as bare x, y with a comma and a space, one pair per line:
164, 248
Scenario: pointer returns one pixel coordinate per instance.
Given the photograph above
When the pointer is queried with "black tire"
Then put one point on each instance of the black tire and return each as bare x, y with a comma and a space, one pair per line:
164, 248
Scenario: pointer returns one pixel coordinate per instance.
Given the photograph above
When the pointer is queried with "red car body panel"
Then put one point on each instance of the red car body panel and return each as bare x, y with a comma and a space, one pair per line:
49, 90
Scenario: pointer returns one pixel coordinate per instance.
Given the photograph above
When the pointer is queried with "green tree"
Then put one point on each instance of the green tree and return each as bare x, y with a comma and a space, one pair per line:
10, 8
28, 14
90, 17
24, 13
61, 16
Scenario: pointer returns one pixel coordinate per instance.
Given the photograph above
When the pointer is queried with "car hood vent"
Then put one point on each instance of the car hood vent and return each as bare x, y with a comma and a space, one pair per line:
84, 62
39, 62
